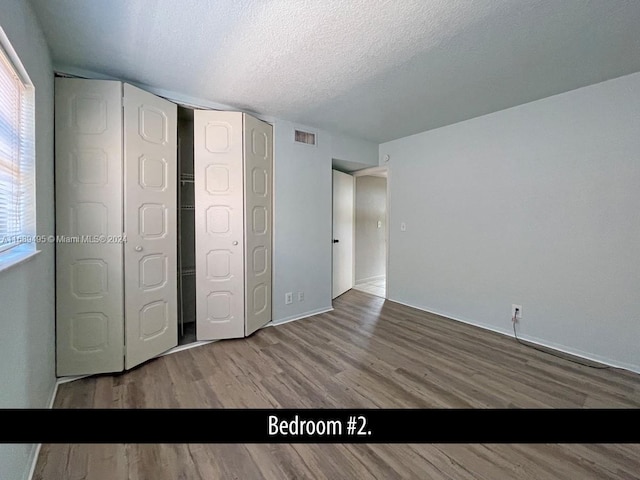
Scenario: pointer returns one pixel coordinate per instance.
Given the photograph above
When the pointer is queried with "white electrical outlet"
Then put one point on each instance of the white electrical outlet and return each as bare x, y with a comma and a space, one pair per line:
301, 296
516, 311
288, 298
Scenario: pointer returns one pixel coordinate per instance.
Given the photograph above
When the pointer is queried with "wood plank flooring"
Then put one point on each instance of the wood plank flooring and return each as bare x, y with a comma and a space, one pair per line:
368, 352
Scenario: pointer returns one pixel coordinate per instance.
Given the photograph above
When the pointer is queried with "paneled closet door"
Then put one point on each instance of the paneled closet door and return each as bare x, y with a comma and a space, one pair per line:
150, 213
218, 173
258, 169
88, 171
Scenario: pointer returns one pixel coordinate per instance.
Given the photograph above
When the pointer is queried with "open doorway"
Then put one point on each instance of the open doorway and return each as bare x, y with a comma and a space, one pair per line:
370, 231
343, 233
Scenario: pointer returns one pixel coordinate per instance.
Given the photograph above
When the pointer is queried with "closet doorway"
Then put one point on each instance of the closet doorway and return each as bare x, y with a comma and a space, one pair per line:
186, 230
371, 234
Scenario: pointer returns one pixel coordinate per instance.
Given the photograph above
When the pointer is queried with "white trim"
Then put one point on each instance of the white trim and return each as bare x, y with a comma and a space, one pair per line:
371, 172
387, 247
54, 394
17, 255
5, 44
294, 318
38, 446
187, 346
535, 340
62, 380
34, 462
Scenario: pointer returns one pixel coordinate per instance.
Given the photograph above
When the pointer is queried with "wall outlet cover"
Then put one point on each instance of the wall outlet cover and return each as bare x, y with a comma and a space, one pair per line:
518, 315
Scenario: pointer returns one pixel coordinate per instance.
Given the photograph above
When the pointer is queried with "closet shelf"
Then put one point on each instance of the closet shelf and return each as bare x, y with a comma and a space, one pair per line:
187, 178
187, 207
188, 272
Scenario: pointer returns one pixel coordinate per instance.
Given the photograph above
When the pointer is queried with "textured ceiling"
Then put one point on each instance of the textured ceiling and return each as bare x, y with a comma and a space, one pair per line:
376, 69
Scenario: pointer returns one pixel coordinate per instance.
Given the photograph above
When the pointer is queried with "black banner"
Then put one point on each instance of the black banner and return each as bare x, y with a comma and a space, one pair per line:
320, 426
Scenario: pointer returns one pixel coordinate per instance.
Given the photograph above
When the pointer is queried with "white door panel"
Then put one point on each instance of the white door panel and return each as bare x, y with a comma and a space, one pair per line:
219, 219
343, 218
89, 275
258, 169
150, 212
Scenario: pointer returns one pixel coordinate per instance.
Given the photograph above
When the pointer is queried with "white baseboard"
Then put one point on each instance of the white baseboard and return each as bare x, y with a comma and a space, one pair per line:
62, 380
187, 346
34, 462
534, 340
36, 454
294, 318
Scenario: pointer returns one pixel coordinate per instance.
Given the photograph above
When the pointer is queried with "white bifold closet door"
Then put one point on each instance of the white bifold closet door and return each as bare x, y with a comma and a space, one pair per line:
89, 275
233, 157
150, 219
258, 173
116, 149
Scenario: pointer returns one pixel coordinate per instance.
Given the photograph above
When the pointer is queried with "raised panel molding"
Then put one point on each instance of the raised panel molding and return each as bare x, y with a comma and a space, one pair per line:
259, 144
89, 332
88, 114
219, 306
153, 221
154, 320
218, 137
260, 220
153, 125
89, 166
260, 303
218, 218
219, 264
89, 278
217, 179
259, 182
260, 261
153, 173
153, 271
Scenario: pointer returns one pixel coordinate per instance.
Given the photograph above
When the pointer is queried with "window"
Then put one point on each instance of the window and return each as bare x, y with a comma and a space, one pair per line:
17, 157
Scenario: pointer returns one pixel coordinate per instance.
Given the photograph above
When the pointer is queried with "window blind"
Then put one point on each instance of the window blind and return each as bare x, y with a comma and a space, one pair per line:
17, 182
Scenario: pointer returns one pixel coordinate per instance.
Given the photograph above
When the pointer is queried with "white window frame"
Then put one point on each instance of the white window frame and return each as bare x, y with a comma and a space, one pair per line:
20, 244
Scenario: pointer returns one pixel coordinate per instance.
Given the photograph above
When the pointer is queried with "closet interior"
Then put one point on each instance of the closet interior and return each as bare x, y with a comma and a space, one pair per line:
186, 229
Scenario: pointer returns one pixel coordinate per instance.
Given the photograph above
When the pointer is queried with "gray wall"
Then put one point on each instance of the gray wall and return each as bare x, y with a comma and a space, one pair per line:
302, 223
536, 205
350, 153
371, 207
302, 216
27, 290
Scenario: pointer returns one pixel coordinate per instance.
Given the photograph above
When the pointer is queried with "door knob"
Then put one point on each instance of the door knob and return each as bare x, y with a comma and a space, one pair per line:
138, 248
235, 243
335, 240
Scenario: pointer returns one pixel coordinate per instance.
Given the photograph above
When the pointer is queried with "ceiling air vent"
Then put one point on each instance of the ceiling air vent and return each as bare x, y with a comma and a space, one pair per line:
307, 138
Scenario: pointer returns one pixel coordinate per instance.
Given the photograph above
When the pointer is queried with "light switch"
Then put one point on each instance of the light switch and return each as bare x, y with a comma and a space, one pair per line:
379, 224
403, 227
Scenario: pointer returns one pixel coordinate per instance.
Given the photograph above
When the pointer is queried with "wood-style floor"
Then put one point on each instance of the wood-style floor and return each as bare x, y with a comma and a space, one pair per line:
366, 353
